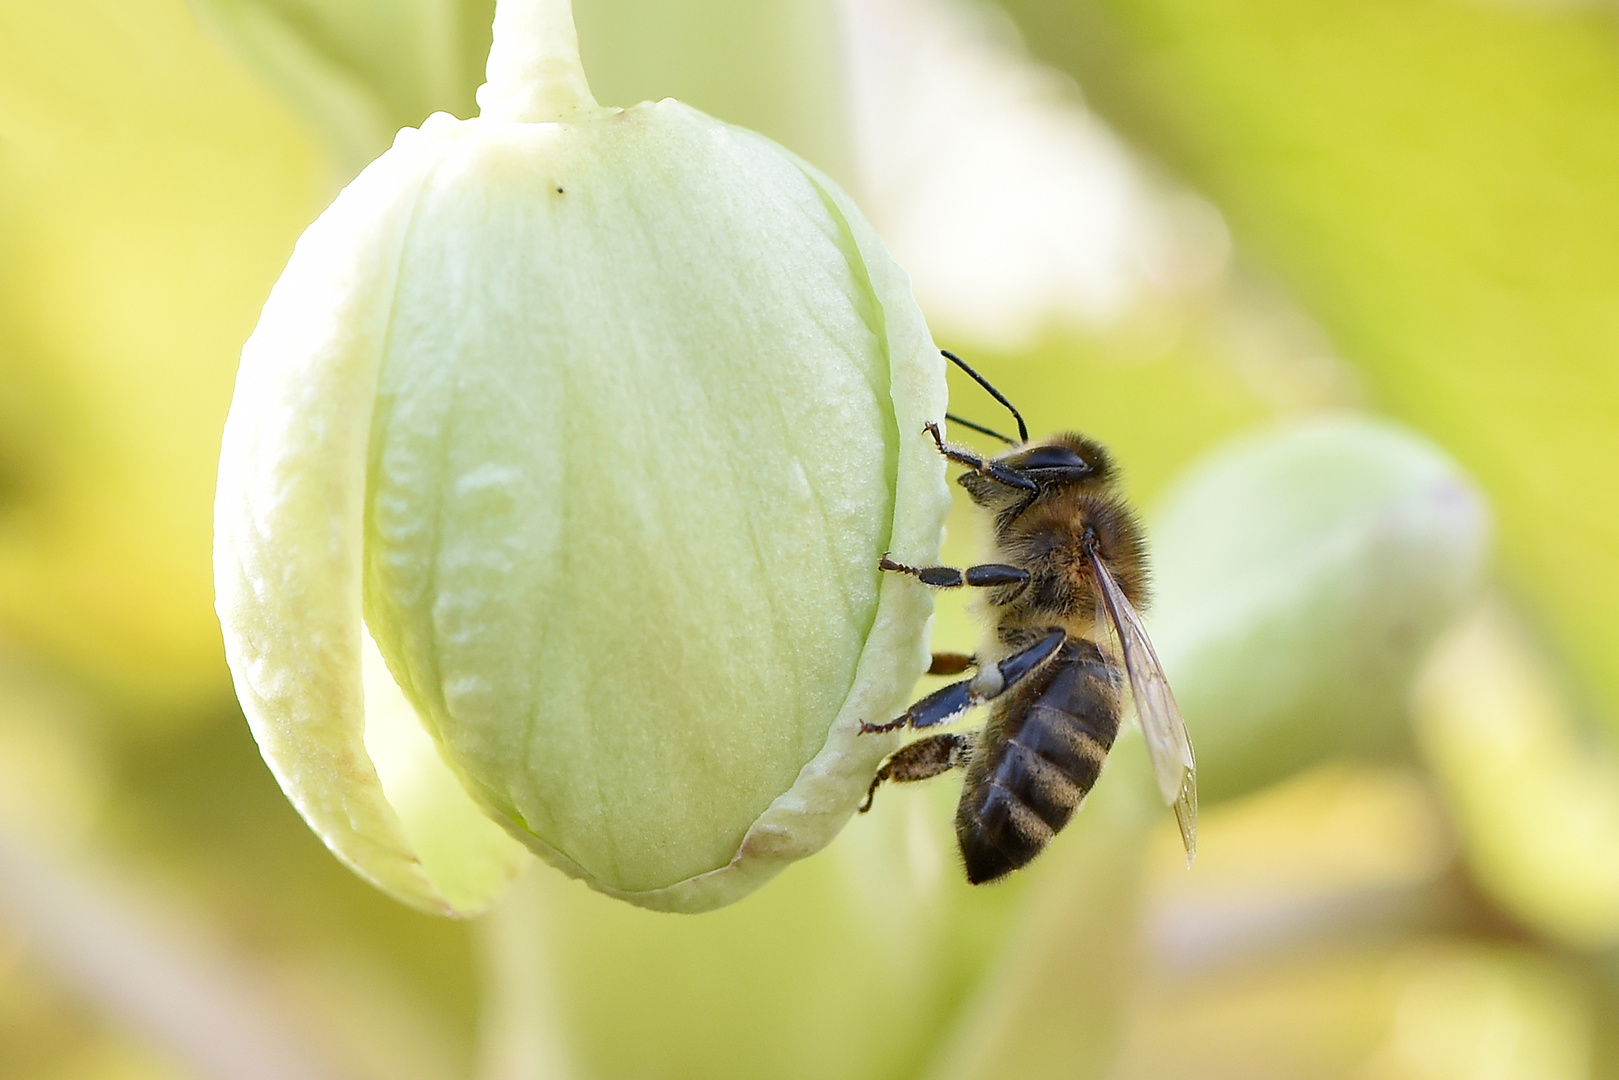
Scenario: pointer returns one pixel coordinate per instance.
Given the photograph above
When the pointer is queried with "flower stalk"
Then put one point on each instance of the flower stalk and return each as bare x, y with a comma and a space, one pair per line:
534, 74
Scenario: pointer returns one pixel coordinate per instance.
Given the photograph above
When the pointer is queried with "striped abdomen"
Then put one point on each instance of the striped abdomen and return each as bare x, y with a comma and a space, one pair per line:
1037, 758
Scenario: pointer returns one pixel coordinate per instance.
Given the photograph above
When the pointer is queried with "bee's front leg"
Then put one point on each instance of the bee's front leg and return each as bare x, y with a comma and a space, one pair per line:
982, 576
994, 470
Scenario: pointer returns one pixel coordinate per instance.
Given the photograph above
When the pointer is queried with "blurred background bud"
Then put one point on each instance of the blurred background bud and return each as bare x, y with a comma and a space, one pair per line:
1302, 575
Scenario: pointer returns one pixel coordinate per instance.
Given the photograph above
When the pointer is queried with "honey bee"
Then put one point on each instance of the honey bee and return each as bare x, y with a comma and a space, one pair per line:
1069, 573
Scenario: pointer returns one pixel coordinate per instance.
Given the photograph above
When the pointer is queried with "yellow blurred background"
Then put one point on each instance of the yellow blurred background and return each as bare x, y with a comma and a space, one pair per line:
1160, 221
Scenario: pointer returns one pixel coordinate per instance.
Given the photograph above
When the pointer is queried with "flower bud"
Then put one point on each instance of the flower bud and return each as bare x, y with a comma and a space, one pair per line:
601, 419
1302, 574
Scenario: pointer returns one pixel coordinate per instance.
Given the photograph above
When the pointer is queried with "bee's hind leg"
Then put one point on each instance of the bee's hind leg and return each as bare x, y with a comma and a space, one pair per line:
920, 760
951, 663
992, 680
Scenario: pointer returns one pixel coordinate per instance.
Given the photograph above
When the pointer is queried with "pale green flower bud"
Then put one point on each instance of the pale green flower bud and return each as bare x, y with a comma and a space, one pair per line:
602, 419
1302, 575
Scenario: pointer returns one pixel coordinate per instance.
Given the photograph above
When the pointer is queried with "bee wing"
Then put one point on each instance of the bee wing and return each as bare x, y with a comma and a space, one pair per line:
1168, 745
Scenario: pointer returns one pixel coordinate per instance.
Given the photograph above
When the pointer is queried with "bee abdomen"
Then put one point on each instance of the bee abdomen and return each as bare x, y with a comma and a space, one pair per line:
1041, 756
1002, 832
1068, 744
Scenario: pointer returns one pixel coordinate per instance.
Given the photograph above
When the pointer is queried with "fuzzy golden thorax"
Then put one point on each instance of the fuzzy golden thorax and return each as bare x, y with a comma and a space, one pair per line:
1050, 538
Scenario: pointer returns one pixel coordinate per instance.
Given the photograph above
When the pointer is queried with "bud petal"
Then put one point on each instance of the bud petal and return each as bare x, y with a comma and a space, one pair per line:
623, 550
288, 517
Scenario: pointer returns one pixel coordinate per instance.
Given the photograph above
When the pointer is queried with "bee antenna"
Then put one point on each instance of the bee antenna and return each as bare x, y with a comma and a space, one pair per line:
1022, 429
980, 428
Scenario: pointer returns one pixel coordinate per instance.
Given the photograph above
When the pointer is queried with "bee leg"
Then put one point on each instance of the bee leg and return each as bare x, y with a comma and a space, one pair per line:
951, 663
921, 759
993, 470
991, 682
982, 576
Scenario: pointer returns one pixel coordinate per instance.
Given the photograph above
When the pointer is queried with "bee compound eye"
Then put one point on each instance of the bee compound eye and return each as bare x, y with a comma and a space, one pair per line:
1053, 459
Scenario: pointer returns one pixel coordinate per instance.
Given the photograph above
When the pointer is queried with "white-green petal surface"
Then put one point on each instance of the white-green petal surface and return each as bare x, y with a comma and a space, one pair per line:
651, 407
288, 527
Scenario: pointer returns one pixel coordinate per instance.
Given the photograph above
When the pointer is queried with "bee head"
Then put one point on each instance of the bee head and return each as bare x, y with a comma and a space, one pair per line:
1056, 464
1062, 461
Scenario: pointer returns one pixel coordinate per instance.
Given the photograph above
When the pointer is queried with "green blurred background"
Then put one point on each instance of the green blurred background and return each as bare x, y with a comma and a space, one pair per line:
1160, 221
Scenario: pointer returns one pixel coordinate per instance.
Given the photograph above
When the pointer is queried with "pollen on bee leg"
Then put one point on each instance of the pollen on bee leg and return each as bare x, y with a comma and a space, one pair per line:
992, 680
989, 682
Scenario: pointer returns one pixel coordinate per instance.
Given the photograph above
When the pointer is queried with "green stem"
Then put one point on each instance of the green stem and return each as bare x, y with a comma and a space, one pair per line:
534, 73
522, 1032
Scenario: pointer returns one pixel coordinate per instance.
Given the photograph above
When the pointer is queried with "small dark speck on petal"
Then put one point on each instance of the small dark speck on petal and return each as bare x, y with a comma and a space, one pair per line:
559, 191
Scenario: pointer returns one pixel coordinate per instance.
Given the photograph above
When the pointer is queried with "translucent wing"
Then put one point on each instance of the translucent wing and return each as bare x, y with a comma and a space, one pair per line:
1168, 745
